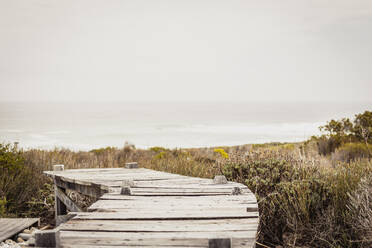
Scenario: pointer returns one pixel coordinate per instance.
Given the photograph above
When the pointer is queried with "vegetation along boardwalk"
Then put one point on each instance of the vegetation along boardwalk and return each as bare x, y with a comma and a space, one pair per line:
147, 208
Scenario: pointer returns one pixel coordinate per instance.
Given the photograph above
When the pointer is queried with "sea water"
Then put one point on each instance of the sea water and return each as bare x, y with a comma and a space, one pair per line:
84, 126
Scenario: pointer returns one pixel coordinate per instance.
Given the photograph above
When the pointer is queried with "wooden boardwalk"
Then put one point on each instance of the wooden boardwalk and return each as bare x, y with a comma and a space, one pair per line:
138, 207
12, 226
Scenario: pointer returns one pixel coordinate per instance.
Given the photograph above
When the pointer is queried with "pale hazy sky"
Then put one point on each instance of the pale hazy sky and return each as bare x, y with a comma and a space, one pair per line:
185, 50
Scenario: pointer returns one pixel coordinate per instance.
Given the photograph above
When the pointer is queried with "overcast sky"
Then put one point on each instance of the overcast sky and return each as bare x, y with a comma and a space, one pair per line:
185, 50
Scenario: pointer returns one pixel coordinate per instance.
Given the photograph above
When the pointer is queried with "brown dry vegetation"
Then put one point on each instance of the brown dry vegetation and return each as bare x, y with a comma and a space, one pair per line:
305, 200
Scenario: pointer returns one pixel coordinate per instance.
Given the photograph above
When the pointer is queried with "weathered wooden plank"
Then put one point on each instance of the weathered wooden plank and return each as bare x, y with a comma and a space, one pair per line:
86, 175
59, 206
133, 192
128, 246
176, 185
182, 190
189, 186
98, 170
172, 214
70, 204
175, 182
218, 198
64, 218
172, 202
11, 226
250, 208
91, 189
161, 225
117, 206
117, 176
152, 238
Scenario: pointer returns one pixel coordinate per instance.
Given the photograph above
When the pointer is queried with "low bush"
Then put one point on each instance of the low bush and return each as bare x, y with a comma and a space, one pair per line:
299, 204
352, 151
19, 180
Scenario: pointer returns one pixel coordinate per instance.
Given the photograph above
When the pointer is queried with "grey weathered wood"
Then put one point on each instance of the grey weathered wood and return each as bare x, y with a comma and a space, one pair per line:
184, 190
127, 183
219, 243
58, 167
200, 239
132, 165
64, 218
129, 246
59, 207
162, 210
126, 191
119, 206
244, 198
12, 226
67, 201
125, 187
198, 225
220, 179
89, 189
46, 238
168, 215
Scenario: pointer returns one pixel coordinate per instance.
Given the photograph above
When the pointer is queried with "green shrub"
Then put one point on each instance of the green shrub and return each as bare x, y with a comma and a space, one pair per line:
160, 155
19, 180
158, 149
352, 151
12, 170
259, 175
299, 204
343, 131
102, 151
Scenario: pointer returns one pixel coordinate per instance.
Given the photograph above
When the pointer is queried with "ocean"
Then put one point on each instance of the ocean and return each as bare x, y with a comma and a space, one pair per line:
85, 126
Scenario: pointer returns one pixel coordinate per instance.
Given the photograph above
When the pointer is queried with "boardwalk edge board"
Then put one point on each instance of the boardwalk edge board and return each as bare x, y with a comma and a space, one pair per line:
12, 226
141, 207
